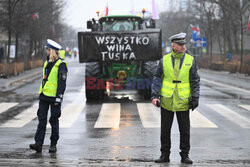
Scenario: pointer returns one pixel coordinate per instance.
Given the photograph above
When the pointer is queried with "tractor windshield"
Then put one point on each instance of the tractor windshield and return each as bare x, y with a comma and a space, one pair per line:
120, 25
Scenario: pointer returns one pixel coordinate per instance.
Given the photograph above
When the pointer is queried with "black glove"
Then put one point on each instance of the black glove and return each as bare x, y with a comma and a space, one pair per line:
193, 103
58, 99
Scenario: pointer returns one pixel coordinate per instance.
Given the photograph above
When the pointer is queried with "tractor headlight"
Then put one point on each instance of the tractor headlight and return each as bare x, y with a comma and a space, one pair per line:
121, 74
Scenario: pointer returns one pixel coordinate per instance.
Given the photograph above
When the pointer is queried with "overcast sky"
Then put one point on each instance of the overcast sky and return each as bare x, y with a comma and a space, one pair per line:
77, 12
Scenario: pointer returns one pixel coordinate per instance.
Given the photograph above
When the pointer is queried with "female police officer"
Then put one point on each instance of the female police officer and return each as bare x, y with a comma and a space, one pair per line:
51, 95
177, 84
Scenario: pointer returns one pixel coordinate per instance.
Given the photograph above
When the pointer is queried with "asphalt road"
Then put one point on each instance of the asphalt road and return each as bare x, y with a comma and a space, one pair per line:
123, 130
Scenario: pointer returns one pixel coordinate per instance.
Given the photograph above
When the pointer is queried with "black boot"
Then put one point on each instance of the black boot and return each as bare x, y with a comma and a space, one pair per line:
186, 160
36, 147
163, 158
52, 149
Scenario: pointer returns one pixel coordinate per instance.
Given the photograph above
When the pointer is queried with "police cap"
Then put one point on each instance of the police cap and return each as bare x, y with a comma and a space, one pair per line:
53, 45
179, 38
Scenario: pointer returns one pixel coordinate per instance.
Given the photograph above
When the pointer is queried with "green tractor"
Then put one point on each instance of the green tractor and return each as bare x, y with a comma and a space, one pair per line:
120, 53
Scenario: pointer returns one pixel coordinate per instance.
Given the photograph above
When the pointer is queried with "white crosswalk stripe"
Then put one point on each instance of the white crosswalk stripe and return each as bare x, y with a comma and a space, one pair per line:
149, 114
197, 120
69, 115
230, 115
23, 118
247, 107
71, 112
5, 106
109, 116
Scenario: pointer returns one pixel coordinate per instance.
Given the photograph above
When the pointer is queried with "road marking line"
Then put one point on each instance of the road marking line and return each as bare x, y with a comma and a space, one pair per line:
23, 118
109, 116
224, 85
70, 114
197, 120
231, 115
247, 107
5, 106
150, 115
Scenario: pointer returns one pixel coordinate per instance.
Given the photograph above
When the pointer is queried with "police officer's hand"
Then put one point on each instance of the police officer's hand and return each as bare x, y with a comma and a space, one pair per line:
193, 103
156, 102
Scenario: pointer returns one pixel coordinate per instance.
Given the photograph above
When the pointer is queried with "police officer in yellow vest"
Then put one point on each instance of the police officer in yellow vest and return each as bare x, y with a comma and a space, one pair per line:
70, 53
176, 88
51, 95
62, 54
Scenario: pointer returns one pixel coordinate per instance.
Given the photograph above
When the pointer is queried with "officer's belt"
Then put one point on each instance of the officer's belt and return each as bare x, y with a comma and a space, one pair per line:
175, 81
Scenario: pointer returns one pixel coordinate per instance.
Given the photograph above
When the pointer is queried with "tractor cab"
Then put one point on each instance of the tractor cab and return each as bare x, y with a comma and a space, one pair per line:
113, 23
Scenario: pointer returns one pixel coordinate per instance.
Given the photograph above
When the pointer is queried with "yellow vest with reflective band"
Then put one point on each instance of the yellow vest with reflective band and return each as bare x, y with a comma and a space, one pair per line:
62, 54
50, 87
181, 82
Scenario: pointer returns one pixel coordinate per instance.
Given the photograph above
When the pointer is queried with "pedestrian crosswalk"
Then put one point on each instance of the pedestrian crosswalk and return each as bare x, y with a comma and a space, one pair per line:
150, 117
110, 114
149, 114
231, 115
247, 107
197, 120
5, 106
23, 118
70, 114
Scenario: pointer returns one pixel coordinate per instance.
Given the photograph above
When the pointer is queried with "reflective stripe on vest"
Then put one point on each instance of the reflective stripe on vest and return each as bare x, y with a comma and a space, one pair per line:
50, 87
170, 82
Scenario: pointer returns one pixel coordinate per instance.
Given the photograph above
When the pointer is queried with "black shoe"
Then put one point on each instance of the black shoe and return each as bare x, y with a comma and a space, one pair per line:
52, 149
36, 147
163, 158
186, 160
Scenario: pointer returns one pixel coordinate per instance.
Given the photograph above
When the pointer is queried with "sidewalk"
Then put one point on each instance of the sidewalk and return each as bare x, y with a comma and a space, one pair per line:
14, 82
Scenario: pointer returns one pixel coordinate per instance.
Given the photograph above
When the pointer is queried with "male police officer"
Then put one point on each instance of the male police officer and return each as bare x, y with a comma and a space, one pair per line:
176, 87
51, 95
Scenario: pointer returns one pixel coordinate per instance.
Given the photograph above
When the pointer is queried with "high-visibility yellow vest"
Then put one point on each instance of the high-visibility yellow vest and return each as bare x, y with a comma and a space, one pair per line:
50, 86
181, 82
62, 54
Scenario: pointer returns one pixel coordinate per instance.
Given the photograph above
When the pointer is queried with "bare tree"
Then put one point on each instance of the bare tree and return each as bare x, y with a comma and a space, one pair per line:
7, 14
35, 19
220, 21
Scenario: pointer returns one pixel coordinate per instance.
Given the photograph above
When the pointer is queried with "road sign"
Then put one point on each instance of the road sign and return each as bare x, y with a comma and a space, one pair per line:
204, 42
200, 42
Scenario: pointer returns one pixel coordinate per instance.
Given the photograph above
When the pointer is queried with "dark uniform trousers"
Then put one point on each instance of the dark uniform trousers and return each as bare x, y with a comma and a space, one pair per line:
184, 128
54, 122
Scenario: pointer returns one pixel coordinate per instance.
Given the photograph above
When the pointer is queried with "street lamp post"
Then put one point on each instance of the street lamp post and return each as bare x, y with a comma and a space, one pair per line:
241, 37
98, 12
143, 12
